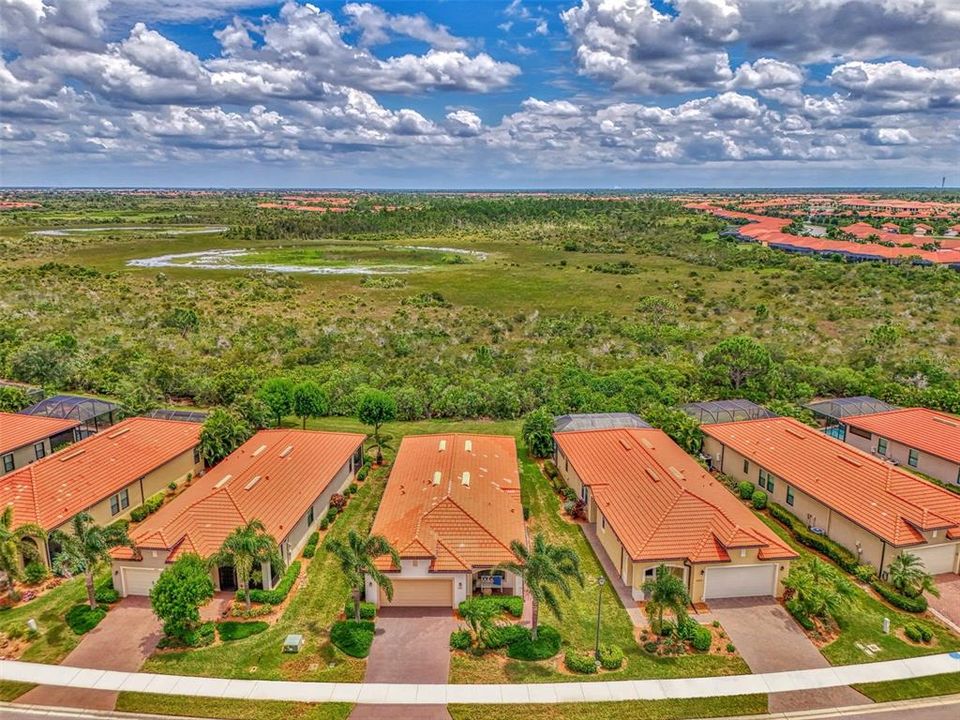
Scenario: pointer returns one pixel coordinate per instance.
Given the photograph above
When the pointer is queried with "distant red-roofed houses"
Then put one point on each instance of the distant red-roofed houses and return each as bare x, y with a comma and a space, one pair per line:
922, 229
952, 231
890, 228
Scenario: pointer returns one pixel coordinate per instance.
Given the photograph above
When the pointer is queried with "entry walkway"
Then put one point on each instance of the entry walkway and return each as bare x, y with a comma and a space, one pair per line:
623, 592
407, 694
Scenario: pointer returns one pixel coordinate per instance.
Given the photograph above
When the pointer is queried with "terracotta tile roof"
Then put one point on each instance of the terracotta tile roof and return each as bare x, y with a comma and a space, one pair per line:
659, 502
889, 502
51, 491
453, 499
932, 432
273, 477
17, 430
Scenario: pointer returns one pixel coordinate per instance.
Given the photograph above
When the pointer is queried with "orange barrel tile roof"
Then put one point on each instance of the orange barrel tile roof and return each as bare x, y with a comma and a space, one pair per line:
932, 432
17, 430
891, 503
661, 504
453, 499
51, 491
273, 478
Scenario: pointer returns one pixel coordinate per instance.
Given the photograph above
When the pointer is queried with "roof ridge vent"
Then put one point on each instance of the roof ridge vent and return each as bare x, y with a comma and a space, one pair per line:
465, 478
796, 433
944, 421
437, 476
646, 443
676, 473
286, 451
253, 481
468, 445
626, 445
443, 445
258, 451
223, 481
653, 474
72, 455
118, 433
851, 460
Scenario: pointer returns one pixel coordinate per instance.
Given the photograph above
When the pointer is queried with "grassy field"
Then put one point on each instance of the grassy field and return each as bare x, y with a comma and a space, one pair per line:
229, 709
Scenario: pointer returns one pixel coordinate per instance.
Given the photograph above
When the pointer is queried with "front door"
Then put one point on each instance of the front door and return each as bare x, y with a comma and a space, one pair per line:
228, 578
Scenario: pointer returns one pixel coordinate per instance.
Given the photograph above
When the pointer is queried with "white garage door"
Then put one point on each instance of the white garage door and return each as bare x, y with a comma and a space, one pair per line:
138, 581
937, 559
739, 581
420, 593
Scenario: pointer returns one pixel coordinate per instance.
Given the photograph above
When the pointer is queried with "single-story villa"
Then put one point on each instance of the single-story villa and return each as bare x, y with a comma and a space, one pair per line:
451, 508
24, 439
924, 439
652, 504
105, 475
868, 505
283, 478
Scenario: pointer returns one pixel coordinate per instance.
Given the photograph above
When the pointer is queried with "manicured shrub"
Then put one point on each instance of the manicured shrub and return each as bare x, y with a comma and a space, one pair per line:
310, 549
731, 648
82, 618
550, 469
745, 488
512, 604
368, 611
580, 662
865, 573
362, 473
898, 600
611, 657
230, 630
918, 632
280, 592
702, 639
783, 515
352, 637
332, 513
546, 645
154, 502
501, 636
35, 572
339, 501
759, 500
139, 513
460, 640
324, 524
352, 488
238, 609
569, 494
200, 636
650, 646
172, 486
106, 595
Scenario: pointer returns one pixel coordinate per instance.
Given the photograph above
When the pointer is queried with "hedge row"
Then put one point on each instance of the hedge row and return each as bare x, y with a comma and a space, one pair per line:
280, 592
897, 599
368, 611
310, 549
153, 503
512, 604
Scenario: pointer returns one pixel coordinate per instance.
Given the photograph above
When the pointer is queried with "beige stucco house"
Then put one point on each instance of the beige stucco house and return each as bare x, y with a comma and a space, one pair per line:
24, 439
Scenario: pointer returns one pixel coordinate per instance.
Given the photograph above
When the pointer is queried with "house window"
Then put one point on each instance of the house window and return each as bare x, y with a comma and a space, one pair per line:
882, 446
746, 467
8, 462
603, 523
858, 432
770, 483
39, 450
120, 501
310, 516
196, 455
913, 457
789, 495
763, 479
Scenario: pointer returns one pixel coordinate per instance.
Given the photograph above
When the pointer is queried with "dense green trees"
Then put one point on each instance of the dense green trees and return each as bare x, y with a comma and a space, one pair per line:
538, 433
737, 366
277, 394
178, 594
221, 434
309, 401
908, 574
376, 408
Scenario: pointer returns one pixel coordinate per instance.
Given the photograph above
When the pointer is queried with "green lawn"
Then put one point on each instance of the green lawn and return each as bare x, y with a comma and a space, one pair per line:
636, 710
578, 624
915, 688
311, 612
862, 622
230, 709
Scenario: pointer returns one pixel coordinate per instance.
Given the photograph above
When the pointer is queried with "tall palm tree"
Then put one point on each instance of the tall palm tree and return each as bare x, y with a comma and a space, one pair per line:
357, 558
542, 568
86, 547
246, 548
665, 591
13, 545
909, 575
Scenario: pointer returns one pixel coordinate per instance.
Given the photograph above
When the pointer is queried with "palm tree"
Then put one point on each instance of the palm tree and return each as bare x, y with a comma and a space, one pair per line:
246, 548
357, 558
12, 546
818, 589
542, 568
909, 575
86, 548
665, 591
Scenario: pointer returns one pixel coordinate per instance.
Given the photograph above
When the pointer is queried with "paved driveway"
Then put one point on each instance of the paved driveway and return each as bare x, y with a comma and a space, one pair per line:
771, 641
412, 645
948, 604
122, 641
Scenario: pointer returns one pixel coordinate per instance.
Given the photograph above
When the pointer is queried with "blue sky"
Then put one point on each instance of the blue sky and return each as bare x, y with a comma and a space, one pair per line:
455, 94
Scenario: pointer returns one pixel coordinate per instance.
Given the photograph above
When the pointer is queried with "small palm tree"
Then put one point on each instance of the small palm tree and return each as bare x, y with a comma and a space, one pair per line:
542, 568
357, 558
247, 547
86, 547
665, 591
818, 590
13, 546
909, 575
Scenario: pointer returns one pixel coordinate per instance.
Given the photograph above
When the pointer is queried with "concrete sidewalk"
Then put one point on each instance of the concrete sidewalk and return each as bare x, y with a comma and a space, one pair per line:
410, 694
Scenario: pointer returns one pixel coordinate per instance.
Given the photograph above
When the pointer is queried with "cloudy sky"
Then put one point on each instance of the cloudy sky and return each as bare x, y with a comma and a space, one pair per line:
487, 93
